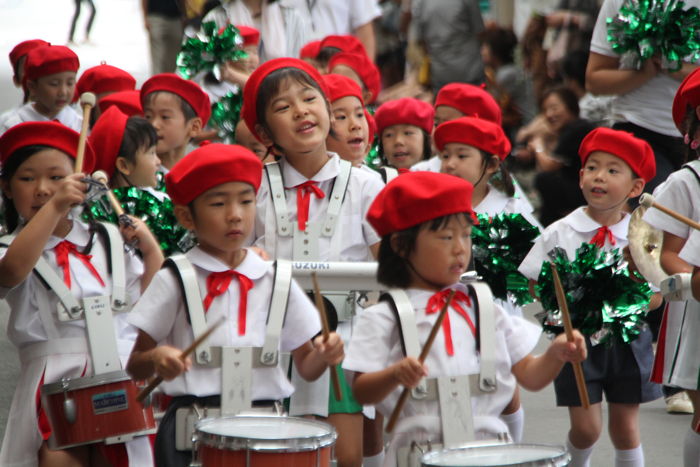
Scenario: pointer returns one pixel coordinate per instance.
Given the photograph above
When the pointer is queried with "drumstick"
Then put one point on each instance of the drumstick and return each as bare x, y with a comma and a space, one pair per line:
647, 201
326, 331
569, 330
191, 348
421, 358
101, 177
87, 102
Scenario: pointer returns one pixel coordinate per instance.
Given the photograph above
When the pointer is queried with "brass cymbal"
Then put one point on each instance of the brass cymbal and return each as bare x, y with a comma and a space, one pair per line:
645, 247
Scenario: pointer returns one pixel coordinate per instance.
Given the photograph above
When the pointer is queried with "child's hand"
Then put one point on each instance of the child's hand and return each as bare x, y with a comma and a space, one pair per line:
332, 350
569, 351
409, 371
71, 192
140, 234
167, 362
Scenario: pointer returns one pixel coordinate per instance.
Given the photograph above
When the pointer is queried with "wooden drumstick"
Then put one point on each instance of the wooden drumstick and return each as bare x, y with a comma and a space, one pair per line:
421, 358
101, 177
191, 348
325, 329
647, 201
87, 102
569, 330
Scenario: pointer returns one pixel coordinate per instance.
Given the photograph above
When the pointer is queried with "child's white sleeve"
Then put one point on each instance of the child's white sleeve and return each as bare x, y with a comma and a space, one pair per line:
157, 308
301, 322
372, 340
134, 273
532, 264
678, 193
521, 336
370, 191
690, 252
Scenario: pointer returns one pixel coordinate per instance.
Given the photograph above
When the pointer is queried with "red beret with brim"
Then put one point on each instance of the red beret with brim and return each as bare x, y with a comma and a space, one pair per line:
48, 60
189, 91
106, 138
365, 69
310, 50
634, 151
209, 166
129, 102
104, 78
51, 134
405, 111
339, 86
472, 101
482, 134
250, 36
345, 43
23, 48
418, 197
687, 95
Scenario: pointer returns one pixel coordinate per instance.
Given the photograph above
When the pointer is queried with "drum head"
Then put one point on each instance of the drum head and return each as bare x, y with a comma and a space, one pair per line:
259, 433
521, 455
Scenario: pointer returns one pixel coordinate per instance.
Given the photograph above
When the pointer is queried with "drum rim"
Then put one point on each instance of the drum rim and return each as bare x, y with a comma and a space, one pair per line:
239, 443
84, 382
563, 456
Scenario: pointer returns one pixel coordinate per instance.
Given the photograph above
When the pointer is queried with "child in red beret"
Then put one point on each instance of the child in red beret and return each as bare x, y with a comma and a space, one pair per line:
73, 261
178, 109
334, 44
311, 208
128, 102
49, 78
360, 69
103, 80
404, 126
18, 55
425, 222
615, 168
214, 189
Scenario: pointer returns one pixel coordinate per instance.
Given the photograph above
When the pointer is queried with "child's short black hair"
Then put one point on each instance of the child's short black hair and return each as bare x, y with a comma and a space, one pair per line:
270, 87
427, 147
138, 134
502, 181
325, 54
185, 107
9, 168
393, 267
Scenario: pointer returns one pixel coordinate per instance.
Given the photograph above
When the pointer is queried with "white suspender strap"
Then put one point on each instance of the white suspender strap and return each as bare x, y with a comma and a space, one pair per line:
487, 335
407, 322
336, 200
278, 309
72, 308
115, 244
193, 300
279, 201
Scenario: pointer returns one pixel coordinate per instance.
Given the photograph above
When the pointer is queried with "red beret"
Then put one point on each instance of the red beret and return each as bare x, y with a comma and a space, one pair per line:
48, 60
405, 111
104, 78
372, 125
365, 69
106, 138
344, 43
189, 91
250, 91
482, 134
339, 86
634, 151
250, 36
310, 50
472, 101
23, 48
417, 197
209, 166
51, 134
688, 94
129, 102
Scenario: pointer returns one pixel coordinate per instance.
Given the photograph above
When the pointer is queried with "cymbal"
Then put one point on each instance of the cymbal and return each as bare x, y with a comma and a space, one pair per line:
645, 247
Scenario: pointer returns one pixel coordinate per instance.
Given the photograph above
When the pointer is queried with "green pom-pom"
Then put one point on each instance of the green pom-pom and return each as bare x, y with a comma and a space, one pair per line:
156, 213
225, 115
499, 246
209, 49
605, 301
645, 28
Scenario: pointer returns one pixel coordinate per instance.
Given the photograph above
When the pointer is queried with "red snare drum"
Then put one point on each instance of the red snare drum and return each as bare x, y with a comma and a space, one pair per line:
264, 441
95, 409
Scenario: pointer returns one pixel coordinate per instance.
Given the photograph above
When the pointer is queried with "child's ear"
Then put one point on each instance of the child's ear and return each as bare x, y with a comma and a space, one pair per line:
195, 126
394, 243
184, 217
493, 163
122, 165
5, 188
637, 187
31, 85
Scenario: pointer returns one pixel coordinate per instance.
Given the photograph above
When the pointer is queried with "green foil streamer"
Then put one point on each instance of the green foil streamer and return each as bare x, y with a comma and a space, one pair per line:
499, 245
225, 115
209, 49
646, 28
158, 216
604, 301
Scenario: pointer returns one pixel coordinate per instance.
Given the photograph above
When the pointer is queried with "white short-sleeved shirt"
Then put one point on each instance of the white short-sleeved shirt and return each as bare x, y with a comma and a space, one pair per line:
496, 202
161, 313
68, 116
570, 233
430, 165
357, 234
680, 193
648, 106
376, 345
336, 16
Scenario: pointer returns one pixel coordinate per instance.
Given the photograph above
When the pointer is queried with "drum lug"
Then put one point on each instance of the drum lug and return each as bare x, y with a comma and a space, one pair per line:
69, 407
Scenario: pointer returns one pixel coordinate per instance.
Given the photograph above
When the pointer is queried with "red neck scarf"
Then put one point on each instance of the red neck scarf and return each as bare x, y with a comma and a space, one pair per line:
304, 191
62, 251
435, 304
217, 284
601, 235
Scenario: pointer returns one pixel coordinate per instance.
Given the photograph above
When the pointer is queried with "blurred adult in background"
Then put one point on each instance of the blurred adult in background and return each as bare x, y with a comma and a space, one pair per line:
88, 26
164, 21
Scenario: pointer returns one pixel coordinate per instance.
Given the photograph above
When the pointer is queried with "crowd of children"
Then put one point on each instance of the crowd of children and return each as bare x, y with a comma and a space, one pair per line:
301, 184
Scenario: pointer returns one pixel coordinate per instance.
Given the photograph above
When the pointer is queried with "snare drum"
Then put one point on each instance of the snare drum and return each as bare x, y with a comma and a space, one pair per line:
521, 455
260, 441
95, 409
